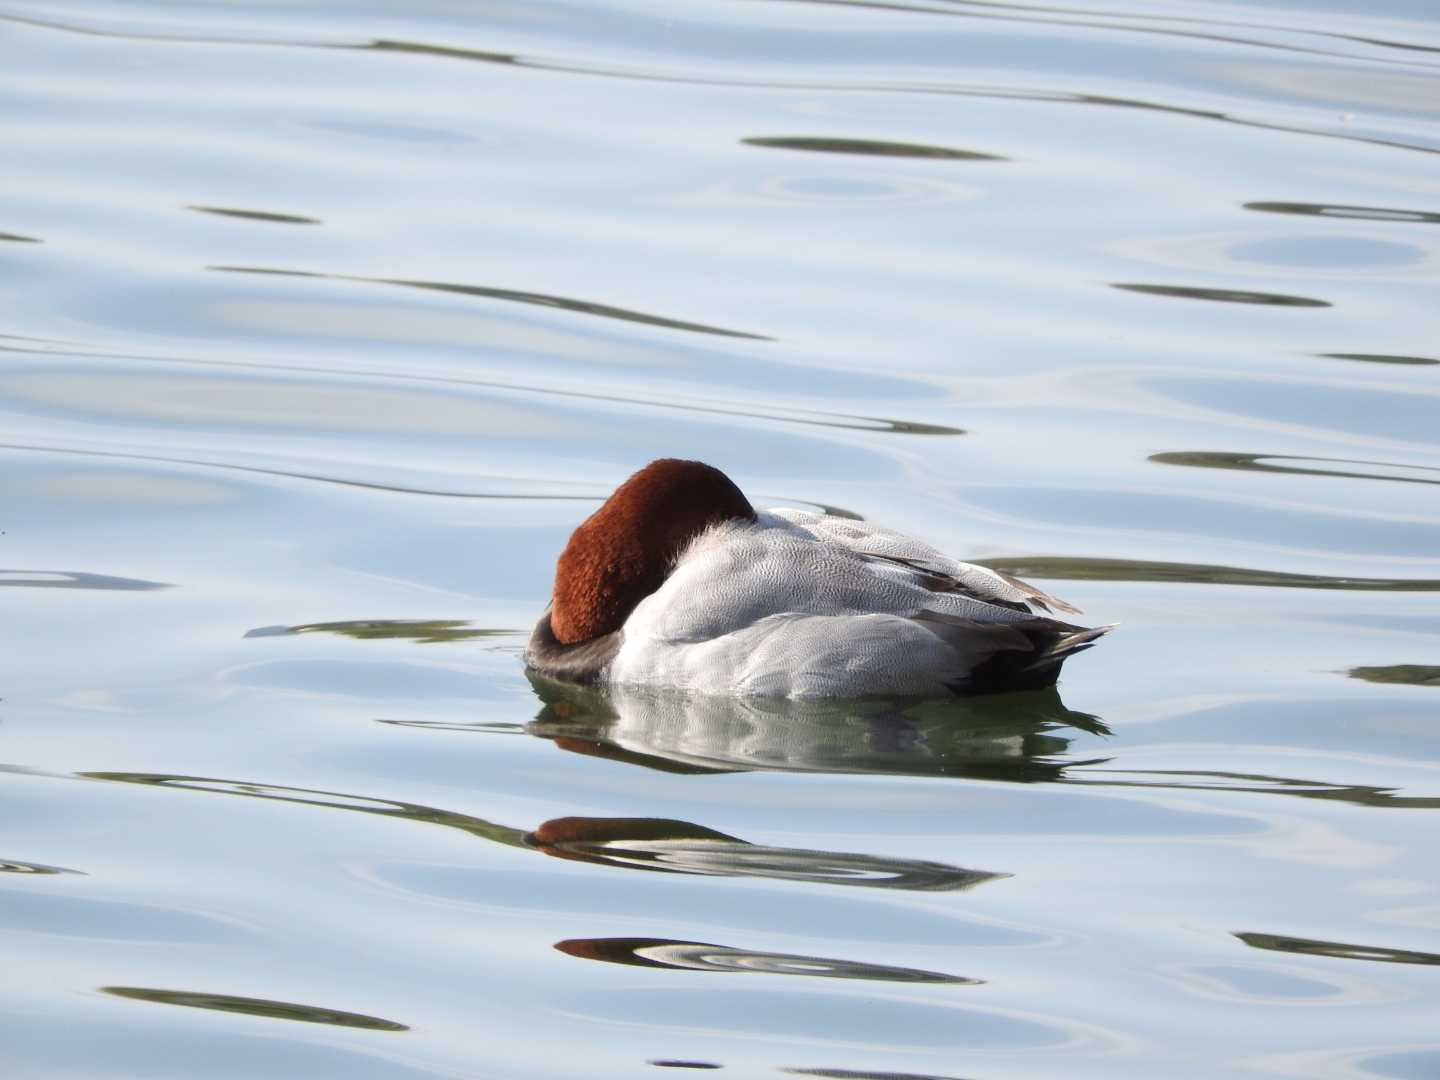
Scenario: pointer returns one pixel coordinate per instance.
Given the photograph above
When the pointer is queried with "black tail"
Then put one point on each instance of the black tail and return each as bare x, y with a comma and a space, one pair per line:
1050, 642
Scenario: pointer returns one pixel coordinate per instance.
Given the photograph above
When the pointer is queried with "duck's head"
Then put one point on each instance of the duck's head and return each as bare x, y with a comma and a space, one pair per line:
625, 550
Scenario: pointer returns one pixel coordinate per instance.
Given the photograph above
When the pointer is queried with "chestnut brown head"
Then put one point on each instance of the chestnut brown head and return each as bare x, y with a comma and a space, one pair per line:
625, 550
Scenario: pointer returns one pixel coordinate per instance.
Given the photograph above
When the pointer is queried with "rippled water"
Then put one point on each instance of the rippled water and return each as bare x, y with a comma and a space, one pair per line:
323, 323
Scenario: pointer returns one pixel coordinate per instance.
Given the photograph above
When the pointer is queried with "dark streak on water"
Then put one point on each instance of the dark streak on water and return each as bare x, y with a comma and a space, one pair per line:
276, 1010
1224, 296
872, 147
1078, 569
564, 303
267, 216
1355, 213
1278, 463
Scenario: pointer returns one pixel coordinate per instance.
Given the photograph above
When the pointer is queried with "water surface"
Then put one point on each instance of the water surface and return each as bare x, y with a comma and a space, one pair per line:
323, 325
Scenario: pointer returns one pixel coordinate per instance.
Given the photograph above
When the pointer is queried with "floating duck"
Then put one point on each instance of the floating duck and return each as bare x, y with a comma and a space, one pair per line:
677, 581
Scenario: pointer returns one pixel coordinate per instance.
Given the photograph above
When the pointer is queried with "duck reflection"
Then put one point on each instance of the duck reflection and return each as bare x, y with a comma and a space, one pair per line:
262, 1007
1016, 737
678, 847
699, 956
657, 844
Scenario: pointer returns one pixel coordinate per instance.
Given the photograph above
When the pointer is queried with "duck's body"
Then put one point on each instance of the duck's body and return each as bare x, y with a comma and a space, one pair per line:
710, 596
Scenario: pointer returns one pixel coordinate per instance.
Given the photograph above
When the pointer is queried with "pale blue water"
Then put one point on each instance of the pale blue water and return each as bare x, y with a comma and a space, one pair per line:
324, 323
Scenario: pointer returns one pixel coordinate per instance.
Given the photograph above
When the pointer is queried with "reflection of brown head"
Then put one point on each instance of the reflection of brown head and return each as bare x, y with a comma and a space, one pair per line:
614, 950
678, 847
558, 832
623, 552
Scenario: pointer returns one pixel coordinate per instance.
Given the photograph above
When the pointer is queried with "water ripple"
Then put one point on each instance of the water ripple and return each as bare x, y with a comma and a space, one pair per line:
829, 144
1226, 296
1381, 358
1166, 25
1264, 463
289, 475
1252, 783
1312, 947
1091, 569
563, 303
268, 216
1358, 213
709, 404
635, 843
680, 76
261, 1007
75, 579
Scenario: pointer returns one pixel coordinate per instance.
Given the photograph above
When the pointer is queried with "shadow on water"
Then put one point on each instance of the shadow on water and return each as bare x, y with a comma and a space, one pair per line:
654, 844
262, 1007
1015, 737
1267, 463
672, 955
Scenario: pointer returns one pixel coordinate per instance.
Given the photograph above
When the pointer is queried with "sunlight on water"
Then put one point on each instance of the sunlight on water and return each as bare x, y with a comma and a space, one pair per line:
326, 322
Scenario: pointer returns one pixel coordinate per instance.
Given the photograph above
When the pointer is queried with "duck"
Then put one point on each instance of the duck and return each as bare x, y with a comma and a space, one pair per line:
677, 582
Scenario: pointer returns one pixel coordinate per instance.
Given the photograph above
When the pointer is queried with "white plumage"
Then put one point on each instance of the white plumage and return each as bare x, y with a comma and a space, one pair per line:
799, 604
